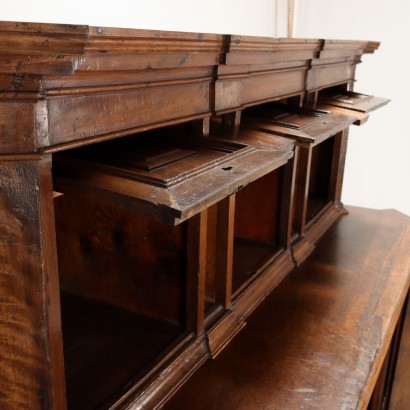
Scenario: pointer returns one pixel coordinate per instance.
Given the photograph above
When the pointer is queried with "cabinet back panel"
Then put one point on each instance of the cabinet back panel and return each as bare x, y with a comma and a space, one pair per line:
130, 262
256, 213
319, 182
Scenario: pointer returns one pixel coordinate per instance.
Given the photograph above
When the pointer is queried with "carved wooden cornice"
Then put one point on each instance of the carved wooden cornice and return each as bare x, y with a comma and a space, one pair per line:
66, 84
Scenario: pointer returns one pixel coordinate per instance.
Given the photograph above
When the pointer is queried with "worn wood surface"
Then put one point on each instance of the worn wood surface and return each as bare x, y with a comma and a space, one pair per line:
400, 394
354, 101
308, 127
83, 83
31, 358
67, 86
319, 340
178, 189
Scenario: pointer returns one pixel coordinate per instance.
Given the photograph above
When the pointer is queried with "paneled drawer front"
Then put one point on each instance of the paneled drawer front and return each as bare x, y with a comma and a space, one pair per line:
76, 117
255, 88
308, 126
353, 101
320, 77
170, 179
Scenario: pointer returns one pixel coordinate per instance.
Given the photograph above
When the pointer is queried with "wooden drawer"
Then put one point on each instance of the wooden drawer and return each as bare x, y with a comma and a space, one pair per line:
307, 126
170, 179
351, 103
321, 138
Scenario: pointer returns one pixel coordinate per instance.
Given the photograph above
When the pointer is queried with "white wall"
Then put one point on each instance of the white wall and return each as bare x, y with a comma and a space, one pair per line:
378, 160
378, 157
253, 17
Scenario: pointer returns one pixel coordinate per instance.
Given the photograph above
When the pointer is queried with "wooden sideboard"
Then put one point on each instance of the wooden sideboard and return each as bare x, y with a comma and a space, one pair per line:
154, 188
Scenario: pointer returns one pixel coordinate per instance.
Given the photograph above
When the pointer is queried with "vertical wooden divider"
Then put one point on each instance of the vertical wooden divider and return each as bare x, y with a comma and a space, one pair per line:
31, 348
287, 193
338, 165
196, 271
302, 188
224, 251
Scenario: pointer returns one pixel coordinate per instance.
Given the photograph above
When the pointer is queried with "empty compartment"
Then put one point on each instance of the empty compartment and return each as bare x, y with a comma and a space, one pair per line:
319, 192
123, 291
166, 177
256, 228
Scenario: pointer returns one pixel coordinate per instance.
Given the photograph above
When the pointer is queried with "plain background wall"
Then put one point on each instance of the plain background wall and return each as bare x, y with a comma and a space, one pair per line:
378, 161
377, 171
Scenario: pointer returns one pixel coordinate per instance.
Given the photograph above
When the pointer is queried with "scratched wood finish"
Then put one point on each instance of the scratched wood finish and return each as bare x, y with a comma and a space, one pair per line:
67, 86
313, 132
181, 188
100, 82
400, 395
258, 69
336, 63
32, 373
319, 340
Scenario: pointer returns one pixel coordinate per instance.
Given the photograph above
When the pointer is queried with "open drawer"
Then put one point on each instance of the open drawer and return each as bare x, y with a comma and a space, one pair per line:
307, 126
165, 177
321, 139
351, 103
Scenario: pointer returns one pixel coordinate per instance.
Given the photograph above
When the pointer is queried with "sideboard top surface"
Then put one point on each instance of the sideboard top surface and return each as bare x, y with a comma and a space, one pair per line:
318, 341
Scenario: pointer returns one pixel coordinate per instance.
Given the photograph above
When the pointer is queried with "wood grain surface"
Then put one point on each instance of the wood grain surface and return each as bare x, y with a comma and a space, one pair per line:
319, 340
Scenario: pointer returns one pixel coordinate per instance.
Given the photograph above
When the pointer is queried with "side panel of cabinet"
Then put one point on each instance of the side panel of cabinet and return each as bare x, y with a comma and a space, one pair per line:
31, 370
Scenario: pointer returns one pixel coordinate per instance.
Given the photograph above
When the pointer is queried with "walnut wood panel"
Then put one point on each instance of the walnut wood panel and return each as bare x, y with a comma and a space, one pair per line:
162, 384
256, 88
338, 165
191, 190
106, 254
102, 82
361, 117
261, 199
259, 69
400, 394
256, 240
224, 251
66, 86
264, 50
23, 125
319, 340
70, 47
319, 77
87, 116
317, 125
301, 190
339, 49
196, 270
31, 371
354, 101
319, 188
337, 62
